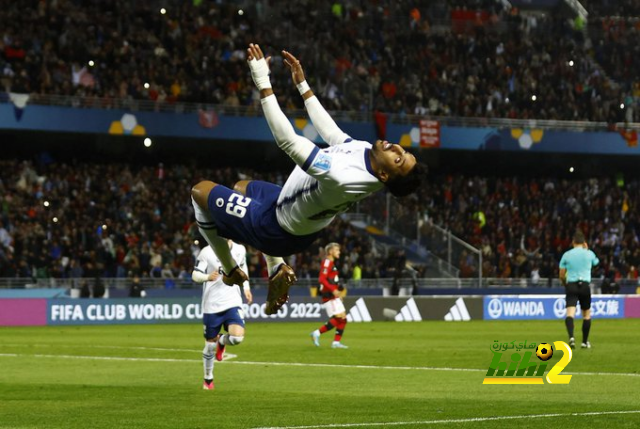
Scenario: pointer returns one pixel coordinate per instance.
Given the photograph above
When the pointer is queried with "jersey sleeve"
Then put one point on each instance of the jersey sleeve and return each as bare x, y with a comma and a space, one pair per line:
300, 149
330, 168
563, 262
327, 284
321, 164
324, 124
199, 274
201, 263
595, 261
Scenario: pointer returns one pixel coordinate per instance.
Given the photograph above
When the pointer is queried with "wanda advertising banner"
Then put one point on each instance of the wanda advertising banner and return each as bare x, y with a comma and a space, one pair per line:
529, 307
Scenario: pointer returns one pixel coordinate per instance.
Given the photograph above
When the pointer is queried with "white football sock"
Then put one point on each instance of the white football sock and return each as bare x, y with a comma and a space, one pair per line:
234, 340
273, 262
207, 359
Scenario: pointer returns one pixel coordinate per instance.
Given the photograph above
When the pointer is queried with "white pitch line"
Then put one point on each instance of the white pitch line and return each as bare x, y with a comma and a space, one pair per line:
118, 358
190, 351
411, 368
299, 364
435, 422
105, 347
331, 365
144, 348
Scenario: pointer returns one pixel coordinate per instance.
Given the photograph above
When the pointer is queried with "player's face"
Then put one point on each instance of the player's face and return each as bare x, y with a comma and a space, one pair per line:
335, 252
392, 159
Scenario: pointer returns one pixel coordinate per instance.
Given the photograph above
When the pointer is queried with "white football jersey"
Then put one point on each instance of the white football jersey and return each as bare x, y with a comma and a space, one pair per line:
217, 296
335, 178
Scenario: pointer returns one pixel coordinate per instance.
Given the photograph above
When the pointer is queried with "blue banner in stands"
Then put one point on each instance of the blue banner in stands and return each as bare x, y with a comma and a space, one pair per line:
525, 307
212, 126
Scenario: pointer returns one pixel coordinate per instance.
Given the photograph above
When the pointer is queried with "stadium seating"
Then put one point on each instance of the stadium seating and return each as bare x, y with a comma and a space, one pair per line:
88, 220
448, 59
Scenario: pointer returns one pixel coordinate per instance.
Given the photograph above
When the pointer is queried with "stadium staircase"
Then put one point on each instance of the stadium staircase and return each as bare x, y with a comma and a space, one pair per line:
390, 240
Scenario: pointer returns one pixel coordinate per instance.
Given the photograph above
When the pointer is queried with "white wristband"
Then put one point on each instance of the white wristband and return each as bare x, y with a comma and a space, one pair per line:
303, 87
262, 82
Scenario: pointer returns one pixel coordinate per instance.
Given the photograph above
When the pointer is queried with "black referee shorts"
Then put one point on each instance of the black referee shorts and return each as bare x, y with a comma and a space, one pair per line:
579, 291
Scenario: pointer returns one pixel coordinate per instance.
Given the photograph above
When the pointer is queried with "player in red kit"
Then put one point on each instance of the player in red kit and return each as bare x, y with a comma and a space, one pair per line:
330, 292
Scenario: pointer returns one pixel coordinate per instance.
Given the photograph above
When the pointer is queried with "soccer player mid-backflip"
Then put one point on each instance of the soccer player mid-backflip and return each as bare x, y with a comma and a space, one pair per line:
330, 291
221, 306
280, 221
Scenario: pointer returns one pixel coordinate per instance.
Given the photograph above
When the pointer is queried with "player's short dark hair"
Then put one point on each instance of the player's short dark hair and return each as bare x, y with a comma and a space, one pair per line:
401, 186
578, 237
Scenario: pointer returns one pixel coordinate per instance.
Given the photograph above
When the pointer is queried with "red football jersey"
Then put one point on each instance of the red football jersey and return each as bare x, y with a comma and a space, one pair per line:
329, 280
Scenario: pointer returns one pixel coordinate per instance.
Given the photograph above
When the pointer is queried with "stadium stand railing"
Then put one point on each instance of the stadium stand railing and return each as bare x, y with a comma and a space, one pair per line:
418, 252
451, 249
344, 116
262, 283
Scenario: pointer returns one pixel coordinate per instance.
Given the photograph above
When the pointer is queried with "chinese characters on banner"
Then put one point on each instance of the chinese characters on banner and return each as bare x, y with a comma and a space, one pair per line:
429, 133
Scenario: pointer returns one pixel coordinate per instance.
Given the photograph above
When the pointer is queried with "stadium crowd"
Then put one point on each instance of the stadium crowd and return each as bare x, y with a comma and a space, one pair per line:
616, 50
609, 8
523, 225
116, 220
391, 56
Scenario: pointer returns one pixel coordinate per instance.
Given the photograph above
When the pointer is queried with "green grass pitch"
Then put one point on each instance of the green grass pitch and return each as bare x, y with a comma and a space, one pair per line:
397, 375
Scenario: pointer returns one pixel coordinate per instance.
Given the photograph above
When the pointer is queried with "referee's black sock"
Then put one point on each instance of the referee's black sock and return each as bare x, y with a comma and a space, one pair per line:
569, 322
586, 327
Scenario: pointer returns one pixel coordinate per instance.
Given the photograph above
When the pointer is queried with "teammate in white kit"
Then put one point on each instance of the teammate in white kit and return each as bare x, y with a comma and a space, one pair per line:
280, 221
221, 306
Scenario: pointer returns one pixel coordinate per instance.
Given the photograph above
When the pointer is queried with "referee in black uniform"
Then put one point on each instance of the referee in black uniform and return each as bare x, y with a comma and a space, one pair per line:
575, 275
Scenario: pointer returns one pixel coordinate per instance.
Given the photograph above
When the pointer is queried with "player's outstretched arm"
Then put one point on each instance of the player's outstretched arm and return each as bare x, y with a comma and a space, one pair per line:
324, 123
300, 149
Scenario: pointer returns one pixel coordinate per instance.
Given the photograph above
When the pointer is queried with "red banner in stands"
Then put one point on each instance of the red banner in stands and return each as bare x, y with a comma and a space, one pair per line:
429, 133
463, 20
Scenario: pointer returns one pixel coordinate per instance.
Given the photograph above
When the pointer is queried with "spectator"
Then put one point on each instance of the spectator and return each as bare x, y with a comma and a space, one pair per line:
98, 288
136, 290
85, 292
5, 238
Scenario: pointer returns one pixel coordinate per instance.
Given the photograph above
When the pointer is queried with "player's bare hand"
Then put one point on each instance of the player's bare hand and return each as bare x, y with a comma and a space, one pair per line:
336, 293
249, 296
255, 53
213, 276
297, 74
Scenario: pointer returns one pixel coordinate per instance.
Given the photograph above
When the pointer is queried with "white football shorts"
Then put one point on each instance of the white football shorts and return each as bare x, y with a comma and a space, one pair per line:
334, 306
